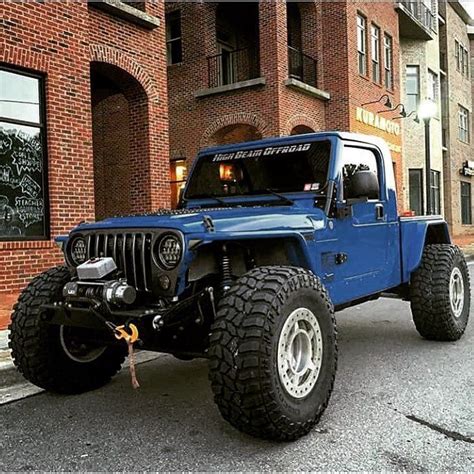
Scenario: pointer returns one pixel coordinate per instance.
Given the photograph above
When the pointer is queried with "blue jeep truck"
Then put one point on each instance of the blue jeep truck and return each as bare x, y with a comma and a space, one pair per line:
270, 239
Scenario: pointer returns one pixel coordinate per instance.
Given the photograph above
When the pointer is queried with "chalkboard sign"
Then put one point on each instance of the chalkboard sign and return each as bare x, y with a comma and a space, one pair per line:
22, 176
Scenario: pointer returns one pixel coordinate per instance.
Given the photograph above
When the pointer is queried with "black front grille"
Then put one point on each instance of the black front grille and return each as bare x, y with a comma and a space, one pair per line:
130, 251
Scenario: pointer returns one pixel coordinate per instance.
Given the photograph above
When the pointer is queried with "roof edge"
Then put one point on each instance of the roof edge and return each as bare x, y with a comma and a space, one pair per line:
458, 7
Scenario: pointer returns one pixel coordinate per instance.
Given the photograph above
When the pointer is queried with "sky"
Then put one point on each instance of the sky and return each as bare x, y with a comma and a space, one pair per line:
469, 6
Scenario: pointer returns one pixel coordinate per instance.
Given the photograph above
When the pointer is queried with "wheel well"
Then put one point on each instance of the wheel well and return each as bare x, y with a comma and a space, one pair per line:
246, 254
437, 234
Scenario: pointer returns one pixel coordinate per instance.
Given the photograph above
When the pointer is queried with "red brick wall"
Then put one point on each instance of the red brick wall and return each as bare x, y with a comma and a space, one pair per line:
61, 40
363, 89
273, 109
328, 34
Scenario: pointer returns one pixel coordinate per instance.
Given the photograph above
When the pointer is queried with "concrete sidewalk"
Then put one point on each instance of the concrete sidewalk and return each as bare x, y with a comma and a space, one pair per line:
14, 387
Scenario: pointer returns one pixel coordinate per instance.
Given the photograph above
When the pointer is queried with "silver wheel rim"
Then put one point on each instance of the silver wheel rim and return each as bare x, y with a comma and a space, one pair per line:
456, 292
79, 351
300, 353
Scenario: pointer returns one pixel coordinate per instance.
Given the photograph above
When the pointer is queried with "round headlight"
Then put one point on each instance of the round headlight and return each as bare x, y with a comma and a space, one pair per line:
169, 251
78, 250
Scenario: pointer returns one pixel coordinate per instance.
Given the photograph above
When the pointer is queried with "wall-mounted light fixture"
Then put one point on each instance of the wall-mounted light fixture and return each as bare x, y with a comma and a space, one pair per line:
387, 103
403, 112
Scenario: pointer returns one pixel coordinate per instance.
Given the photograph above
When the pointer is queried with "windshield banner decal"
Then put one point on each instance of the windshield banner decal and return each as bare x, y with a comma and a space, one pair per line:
268, 151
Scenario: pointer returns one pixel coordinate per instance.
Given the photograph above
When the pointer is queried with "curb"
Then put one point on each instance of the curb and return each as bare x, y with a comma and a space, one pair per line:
14, 387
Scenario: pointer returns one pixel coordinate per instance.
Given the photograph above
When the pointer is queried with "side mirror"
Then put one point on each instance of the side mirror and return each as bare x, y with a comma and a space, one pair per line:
363, 184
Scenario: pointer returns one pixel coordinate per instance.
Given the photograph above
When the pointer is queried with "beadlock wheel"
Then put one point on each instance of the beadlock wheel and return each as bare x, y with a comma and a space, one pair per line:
456, 292
300, 351
440, 293
273, 352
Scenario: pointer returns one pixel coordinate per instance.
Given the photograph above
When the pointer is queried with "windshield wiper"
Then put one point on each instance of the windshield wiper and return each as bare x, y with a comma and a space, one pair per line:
281, 196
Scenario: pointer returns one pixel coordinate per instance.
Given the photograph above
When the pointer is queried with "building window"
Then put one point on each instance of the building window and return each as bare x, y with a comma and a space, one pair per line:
433, 87
23, 179
415, 179
179, 173
457, 49
466, 62
462, 58
466, 203
174, 48
463, 124
412, 88
375, 52
388, 61
362, 44
435, 192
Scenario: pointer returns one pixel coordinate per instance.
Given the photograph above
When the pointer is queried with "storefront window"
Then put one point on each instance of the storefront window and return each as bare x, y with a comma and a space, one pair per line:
23, 193
179, 173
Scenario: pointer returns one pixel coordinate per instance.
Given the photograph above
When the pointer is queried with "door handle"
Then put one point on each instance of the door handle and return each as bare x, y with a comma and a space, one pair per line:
379, 212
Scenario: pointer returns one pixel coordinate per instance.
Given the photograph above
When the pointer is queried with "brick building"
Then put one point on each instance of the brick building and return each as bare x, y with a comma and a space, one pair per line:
83, 122
457, 107
435, 66
245, 70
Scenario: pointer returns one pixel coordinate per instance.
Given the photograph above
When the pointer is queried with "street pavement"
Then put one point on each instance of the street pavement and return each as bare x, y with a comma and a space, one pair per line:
399, 403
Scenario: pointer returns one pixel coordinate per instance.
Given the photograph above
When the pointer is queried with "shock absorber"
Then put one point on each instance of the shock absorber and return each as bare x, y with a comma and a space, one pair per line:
226, 270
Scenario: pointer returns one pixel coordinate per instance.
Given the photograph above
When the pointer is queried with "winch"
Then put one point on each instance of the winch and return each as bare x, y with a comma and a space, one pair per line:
91, 284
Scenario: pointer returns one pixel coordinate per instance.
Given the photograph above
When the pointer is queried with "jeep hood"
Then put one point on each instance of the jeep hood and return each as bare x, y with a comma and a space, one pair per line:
225, 220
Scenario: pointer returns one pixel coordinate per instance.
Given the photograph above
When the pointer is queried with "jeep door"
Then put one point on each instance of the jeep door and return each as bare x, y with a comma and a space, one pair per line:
367, 257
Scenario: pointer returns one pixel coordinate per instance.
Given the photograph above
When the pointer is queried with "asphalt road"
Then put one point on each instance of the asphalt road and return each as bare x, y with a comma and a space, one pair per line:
400, 403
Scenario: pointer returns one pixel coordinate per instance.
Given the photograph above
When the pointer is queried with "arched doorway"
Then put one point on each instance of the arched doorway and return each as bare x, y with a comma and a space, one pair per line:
301, 130
120, 129
235, 134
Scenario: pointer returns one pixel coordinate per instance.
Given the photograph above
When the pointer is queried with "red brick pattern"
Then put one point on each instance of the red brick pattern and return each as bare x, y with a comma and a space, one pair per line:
63, 40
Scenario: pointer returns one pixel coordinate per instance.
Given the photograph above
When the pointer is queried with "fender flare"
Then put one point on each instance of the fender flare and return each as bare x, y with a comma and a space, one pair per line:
415, 235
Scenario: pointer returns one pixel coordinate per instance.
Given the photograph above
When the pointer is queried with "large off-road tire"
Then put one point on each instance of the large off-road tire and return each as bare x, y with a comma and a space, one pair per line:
440, 293
52, 356
273, 353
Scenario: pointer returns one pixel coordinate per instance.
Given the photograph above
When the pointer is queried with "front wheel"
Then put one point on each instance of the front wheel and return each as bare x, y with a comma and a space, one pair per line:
59, 358
440, 293
273, 353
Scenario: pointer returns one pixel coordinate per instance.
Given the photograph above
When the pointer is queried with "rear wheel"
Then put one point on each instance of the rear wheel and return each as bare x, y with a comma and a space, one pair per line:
440, 293
273, 353
59, 358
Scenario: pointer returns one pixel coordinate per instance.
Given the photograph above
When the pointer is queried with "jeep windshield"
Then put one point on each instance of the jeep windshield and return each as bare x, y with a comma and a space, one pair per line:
267, 170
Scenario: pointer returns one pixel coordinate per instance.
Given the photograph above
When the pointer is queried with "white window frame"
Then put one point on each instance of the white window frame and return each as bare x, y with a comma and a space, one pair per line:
362, 44
375, 33
463, 124
388, 60
433, 86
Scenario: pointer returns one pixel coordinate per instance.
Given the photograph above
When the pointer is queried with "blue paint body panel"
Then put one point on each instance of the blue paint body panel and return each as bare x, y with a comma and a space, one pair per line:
381, 253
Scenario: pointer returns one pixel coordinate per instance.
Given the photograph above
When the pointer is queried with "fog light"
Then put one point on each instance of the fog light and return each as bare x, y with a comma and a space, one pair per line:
165, 282
71, 288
